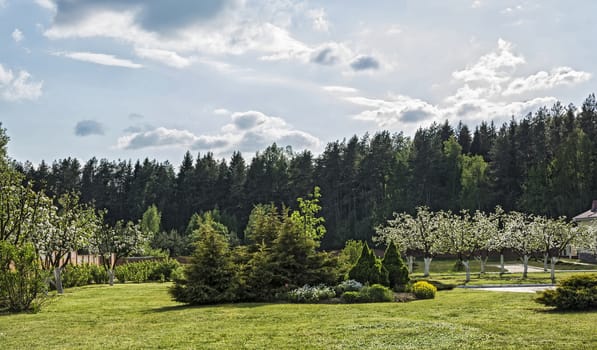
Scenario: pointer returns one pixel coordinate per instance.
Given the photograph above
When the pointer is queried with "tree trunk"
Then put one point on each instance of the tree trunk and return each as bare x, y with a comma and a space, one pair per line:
502, 269
58, 280
554, 260
483, 261
411, 262
427, 264
525, 260
111, 276
545, 257
467, 268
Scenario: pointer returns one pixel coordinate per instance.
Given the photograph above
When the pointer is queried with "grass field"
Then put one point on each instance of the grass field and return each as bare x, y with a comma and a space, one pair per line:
141, 316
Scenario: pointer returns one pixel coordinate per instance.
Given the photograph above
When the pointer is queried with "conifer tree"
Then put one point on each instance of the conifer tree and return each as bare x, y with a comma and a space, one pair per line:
393, 263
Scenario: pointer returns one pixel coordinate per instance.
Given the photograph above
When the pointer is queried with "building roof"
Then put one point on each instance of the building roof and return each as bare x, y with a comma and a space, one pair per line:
587, 215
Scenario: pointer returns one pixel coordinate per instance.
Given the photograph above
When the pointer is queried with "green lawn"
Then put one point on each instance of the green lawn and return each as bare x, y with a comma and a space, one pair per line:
139, 316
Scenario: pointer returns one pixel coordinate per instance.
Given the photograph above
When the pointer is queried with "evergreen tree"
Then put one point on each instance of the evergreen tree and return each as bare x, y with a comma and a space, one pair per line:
211, 276
368, 269
393, 263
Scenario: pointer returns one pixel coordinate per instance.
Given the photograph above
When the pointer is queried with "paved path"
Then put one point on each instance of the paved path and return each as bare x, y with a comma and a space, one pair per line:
519, 268
521, 289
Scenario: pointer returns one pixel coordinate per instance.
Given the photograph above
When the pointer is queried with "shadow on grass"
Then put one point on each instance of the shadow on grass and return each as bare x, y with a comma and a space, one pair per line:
554, 311
180, 307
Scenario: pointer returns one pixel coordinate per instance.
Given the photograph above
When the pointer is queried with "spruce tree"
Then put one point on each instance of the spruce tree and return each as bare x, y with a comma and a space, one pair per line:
368, 269
211, 276
397, 270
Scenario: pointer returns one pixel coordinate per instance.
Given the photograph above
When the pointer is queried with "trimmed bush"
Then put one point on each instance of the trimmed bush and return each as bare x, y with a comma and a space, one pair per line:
424, 290
308, 294
577, 292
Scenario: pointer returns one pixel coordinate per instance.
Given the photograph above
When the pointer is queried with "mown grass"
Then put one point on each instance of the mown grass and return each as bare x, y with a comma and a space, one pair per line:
142, 316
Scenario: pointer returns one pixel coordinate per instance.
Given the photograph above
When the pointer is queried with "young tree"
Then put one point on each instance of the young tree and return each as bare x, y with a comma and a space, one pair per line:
499, 240
369, 269
113, 243
399, 230
151, 221
211, 276
459, 238
67, 229
523, 239
426, 232
307, 215
397, 270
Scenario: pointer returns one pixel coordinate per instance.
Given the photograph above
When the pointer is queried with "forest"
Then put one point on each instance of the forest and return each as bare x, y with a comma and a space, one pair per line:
543, 163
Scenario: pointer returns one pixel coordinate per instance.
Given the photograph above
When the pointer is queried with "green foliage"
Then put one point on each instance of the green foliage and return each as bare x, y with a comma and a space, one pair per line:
151, 221
393, 263
22, 287
368, 269
424, 290
375, 293
308, 294
82, 275
349, 256
307, 215
149, 270
211, 276
577, 292
172, 242
348, 286
264, 225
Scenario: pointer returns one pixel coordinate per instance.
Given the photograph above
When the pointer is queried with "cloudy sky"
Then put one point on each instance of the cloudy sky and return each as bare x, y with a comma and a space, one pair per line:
131, 78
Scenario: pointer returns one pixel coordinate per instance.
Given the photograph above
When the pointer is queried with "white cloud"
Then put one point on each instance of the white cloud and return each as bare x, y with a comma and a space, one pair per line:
99, 58
159, 137
546, 80
494, 68
476, 4
47, 4
320, 20
248, 131
19, 87
244, 31
340, 89
17, 35
221, 111
486, 93
166, 57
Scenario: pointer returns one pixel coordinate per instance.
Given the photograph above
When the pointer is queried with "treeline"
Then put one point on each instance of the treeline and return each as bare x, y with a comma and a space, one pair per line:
544, 163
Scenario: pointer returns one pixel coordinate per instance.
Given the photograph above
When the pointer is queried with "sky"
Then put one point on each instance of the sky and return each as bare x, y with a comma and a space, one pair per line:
129, 79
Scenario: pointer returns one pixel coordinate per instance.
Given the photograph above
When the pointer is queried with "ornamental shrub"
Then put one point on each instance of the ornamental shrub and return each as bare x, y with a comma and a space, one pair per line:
577, 292
348, 286
22, 287
368, 269
369, 294
397, 270
308, 294
424, 290
76, 275
351, 297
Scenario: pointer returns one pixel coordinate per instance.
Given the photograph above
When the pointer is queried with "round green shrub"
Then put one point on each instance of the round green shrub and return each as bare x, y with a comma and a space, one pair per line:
424, 290
376, 294
351, 297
